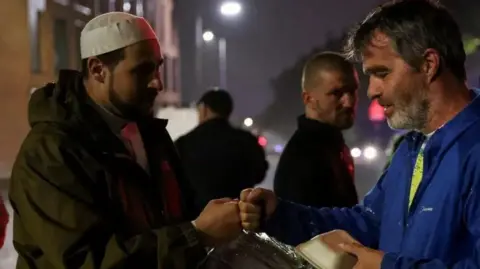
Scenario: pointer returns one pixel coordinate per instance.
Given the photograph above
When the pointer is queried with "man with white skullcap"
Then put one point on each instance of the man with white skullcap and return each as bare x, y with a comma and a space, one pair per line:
97, 182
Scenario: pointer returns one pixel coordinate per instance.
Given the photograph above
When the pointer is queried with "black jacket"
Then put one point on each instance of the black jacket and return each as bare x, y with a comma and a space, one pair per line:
316, 168
220, 160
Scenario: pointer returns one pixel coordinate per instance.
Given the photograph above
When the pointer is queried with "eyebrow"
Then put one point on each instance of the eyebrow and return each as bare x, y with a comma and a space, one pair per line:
375, 69
148, 62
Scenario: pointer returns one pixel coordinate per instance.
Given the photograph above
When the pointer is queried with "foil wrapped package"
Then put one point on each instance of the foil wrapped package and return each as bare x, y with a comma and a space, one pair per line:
255, 251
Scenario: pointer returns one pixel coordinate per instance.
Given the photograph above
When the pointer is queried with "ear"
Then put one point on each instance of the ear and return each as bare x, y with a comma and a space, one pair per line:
431, 65
201, 110
306, 97
96, 69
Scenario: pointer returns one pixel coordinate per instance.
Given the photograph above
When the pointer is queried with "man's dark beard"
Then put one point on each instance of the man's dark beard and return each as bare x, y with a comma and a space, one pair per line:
124, 110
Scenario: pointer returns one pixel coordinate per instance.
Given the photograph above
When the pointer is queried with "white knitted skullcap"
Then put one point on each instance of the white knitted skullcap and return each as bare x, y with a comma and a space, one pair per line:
112, 31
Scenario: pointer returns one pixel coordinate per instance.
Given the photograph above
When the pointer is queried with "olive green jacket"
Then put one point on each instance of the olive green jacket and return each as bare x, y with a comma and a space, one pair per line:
80, 201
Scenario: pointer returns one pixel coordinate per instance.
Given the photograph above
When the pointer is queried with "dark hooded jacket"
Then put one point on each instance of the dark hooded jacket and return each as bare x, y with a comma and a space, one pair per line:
80, 200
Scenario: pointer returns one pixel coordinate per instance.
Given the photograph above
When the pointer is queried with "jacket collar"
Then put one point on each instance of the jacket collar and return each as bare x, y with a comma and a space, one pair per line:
322, 129
444, 137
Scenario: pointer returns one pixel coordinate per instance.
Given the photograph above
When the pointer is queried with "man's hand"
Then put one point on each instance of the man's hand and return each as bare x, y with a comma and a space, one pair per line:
367, 258
219, 222
250, 209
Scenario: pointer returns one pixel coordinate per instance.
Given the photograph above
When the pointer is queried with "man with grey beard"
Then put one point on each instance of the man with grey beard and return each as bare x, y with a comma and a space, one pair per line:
424, 212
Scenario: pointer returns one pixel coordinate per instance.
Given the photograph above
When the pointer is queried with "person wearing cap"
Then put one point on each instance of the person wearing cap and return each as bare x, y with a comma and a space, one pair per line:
97, 182
231, 159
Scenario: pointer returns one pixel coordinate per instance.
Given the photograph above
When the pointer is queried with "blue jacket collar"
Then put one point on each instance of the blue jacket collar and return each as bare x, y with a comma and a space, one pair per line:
445, 136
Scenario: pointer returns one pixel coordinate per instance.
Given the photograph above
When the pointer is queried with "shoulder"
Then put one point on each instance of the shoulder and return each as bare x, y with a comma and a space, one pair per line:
246, 135
48, 136
49, 148
185, 138
50, 157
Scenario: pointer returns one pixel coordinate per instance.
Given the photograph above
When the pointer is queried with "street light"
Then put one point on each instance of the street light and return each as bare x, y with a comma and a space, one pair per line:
248, 122
127, 6
230, 9
208, 36
227, 9
356, 152
370, 153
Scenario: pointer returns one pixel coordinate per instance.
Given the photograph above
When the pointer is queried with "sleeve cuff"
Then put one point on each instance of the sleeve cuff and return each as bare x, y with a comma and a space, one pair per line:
272, 223
389, 261
190, 233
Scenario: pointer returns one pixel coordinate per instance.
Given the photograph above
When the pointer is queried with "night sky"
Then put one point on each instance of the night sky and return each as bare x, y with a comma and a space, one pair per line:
268, 38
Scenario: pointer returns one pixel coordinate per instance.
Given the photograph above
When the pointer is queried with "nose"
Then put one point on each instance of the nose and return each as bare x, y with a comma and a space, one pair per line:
156, 83
349, 99
375, 88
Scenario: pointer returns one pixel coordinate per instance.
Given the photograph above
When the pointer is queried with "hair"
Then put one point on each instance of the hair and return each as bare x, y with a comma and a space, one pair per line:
413, 26
218, 101
324, 61
110, 59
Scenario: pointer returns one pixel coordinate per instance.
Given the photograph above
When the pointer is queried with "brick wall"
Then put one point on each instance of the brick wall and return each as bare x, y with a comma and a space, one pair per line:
16, 76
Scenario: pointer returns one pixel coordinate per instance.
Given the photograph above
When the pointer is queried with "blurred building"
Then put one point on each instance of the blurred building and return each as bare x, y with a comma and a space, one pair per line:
40, 37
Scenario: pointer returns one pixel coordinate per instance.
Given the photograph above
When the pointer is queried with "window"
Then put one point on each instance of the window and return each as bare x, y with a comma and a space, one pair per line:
175, 68
149, 11
61, 44
111, 5
127, 6
166, 72
36, 52
84, 6
139, 8
34, 14
63, 2
78, 30
86, 3
104, 6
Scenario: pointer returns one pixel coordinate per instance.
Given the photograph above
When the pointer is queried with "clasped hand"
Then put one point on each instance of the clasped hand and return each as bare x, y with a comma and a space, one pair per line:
222, 220
250, 215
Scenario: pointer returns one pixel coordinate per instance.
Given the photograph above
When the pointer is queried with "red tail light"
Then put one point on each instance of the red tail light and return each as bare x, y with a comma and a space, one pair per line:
262, 141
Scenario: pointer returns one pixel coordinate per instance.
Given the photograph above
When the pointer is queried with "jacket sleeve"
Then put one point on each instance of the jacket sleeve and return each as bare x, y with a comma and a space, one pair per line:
293, 223
4, 217
56, 210
472, 222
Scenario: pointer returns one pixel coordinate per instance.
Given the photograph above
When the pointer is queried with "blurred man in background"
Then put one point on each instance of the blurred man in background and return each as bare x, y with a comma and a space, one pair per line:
219, 159
97, 182
316, 168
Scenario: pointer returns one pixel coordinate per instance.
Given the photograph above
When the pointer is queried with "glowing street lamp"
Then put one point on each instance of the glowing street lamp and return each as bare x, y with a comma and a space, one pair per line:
230, 9
248, 122
356, 152
208, 36
370, 153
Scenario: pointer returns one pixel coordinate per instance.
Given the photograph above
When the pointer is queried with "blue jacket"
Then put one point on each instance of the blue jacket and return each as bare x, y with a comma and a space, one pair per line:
442, 228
